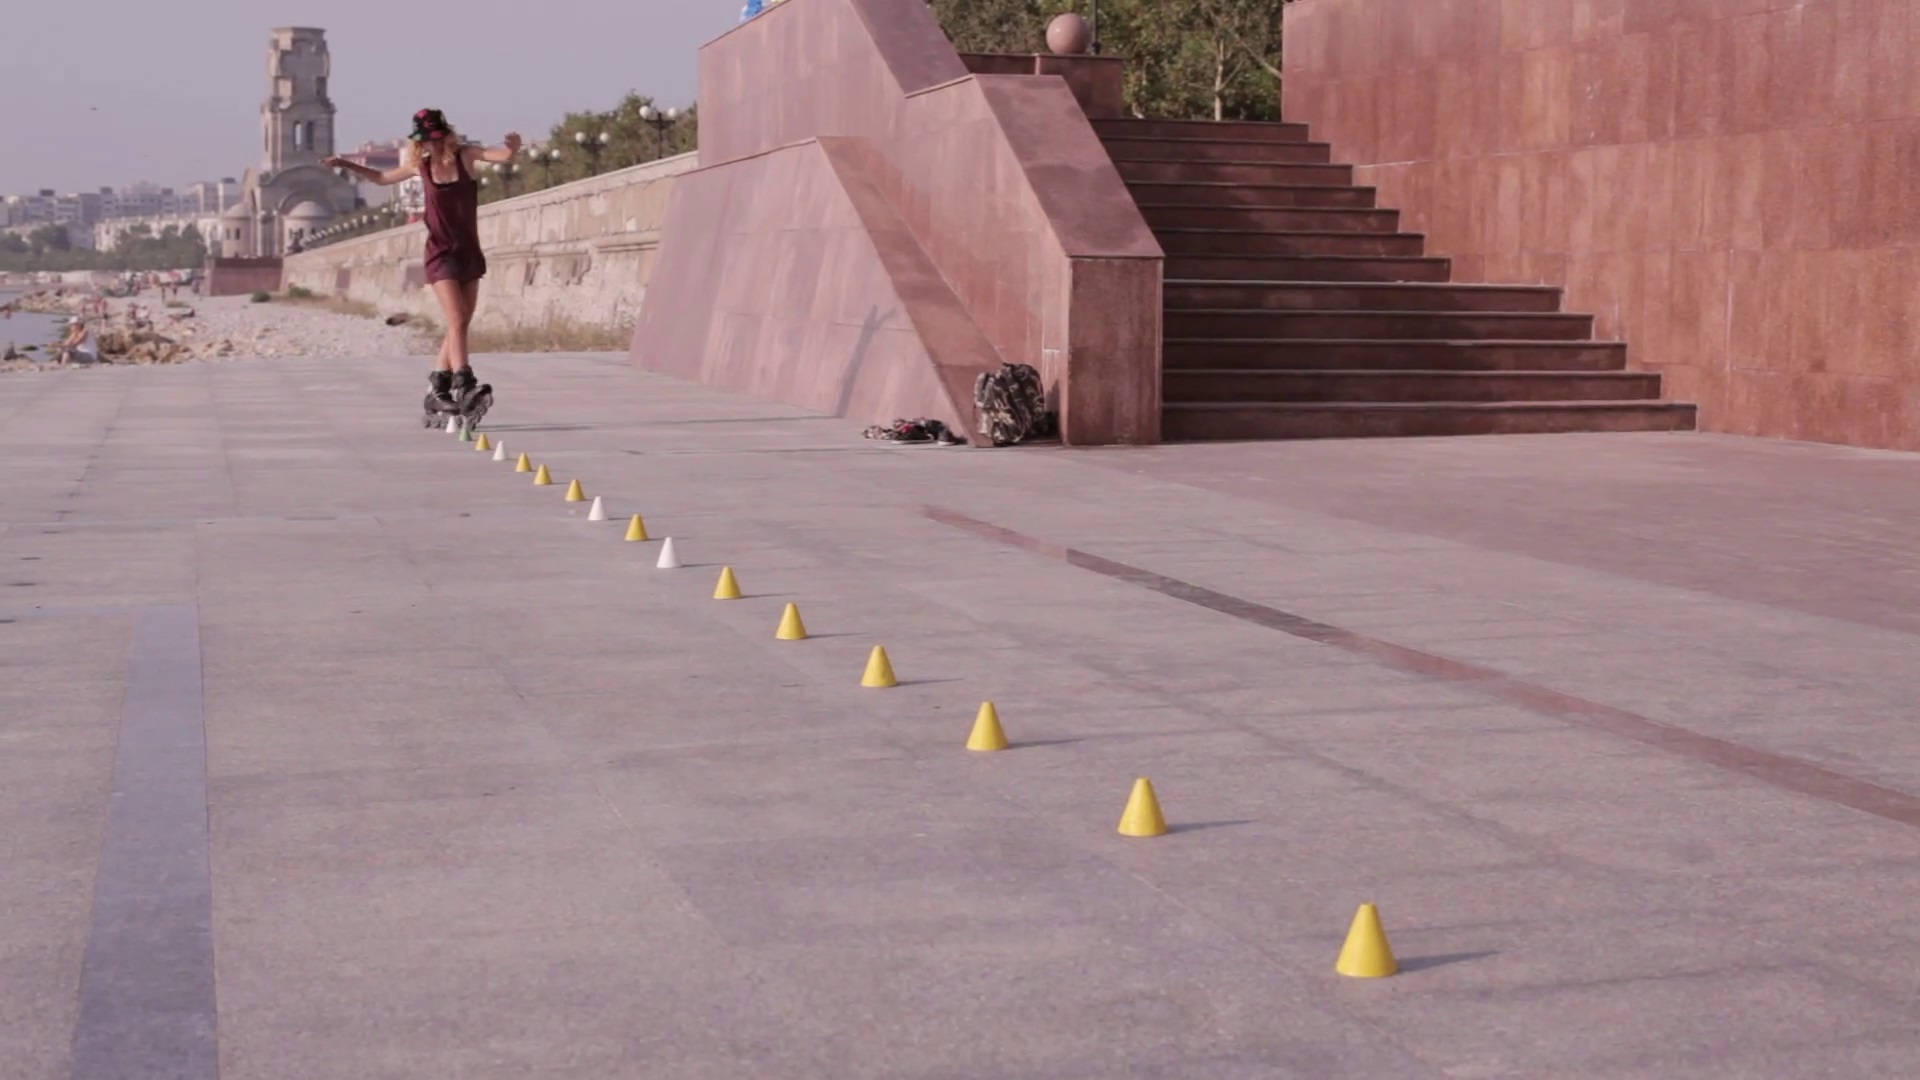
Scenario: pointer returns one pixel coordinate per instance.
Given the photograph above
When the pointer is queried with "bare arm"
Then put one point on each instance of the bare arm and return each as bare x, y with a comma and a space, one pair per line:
500, 154
384, 179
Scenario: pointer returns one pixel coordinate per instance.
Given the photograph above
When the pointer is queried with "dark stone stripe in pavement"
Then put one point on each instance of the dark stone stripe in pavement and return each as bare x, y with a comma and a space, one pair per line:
146, 988
1789, 773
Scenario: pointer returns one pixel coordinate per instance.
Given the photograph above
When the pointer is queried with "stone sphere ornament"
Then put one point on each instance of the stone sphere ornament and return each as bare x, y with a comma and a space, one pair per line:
1069, 35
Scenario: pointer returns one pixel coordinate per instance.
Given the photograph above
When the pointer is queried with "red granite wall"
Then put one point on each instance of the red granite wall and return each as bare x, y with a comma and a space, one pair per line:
819, 298
1000, 183
1732, 186
236, 277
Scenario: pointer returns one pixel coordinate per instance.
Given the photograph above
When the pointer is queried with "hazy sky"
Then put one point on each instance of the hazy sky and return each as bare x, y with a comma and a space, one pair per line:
102, 94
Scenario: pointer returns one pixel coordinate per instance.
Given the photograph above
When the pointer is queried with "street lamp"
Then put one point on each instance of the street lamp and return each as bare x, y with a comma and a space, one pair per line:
544, 159
660, 122
592, 144
504, 170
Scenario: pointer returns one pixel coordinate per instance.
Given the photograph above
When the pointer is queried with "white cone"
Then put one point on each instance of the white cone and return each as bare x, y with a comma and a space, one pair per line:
499, 451
453, 425
668, 559
598, 513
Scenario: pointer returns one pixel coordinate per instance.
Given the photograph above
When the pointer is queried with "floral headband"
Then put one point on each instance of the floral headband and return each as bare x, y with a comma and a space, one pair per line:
429, 125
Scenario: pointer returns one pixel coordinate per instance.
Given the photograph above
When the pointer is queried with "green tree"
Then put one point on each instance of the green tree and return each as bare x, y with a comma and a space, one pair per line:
50, 238
997, 26
1185, 58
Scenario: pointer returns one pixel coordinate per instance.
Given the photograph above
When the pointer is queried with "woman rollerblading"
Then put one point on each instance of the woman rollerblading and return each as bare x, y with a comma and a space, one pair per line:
454, 262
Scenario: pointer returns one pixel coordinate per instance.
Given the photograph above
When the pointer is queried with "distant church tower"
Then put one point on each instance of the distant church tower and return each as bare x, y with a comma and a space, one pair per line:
297, 117
291, 195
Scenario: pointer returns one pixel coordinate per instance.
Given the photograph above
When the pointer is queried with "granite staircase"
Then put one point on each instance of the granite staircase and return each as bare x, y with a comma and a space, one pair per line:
1296, 308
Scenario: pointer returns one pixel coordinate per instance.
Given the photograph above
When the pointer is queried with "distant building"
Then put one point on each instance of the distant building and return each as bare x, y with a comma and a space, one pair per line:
291, 195
381, 156
145, 199
210, 197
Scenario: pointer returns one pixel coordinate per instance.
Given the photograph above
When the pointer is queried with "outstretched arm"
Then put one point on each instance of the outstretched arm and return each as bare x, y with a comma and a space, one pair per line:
499, 154
391, 176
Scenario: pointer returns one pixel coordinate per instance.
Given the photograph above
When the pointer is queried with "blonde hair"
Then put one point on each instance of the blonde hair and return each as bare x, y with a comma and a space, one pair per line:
416, 155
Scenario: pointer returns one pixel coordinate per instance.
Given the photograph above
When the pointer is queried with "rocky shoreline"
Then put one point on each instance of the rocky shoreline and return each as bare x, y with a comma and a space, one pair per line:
144, 330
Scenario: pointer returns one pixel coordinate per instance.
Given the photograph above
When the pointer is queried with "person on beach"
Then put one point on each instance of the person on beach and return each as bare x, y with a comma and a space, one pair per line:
77, 347
455, 264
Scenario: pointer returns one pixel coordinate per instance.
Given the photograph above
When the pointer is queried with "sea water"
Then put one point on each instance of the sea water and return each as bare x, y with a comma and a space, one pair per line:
29, 328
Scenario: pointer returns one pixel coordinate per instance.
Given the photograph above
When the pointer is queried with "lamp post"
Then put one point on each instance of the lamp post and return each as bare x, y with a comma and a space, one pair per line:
1093, 45
592, 144
660, 122
504, 170
545, 159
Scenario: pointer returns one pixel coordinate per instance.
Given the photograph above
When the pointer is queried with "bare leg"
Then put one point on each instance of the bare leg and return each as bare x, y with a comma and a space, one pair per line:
470, 295
453, 309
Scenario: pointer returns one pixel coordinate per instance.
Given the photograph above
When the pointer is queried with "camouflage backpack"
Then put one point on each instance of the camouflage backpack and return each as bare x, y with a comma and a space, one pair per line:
1012, 405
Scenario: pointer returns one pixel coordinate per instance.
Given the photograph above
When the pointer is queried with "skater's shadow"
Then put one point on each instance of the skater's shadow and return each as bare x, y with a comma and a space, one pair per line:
539, 427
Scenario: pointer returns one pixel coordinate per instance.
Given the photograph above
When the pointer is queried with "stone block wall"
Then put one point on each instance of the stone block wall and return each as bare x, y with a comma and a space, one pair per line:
1732, 186
580, 253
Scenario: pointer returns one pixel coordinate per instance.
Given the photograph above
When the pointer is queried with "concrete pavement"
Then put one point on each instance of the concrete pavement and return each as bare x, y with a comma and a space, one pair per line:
1617, 731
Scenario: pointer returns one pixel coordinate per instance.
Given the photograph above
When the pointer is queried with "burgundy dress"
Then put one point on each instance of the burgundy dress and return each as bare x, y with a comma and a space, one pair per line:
453, 225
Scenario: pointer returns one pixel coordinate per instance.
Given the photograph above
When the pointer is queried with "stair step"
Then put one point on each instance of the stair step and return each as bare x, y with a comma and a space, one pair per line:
1306, 268
1347, 420
1186, 241
1180, 193
1253, 385
1357, 296
1448, 325
1121, 148
1214, 172
1312, 218
1353, 354
1248, 130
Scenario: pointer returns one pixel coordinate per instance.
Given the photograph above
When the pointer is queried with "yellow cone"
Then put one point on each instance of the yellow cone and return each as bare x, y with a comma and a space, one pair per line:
879, 674
636, 529
481, 443
523, 465
543, 476
986, 730
575, 493
791, 628
728, 588
1142, 815
1366, 955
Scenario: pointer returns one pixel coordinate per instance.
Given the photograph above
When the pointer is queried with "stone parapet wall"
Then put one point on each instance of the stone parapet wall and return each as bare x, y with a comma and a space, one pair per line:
579, 253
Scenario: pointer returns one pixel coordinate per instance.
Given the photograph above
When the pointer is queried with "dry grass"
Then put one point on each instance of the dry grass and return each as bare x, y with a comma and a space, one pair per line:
555, 335
339, 305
